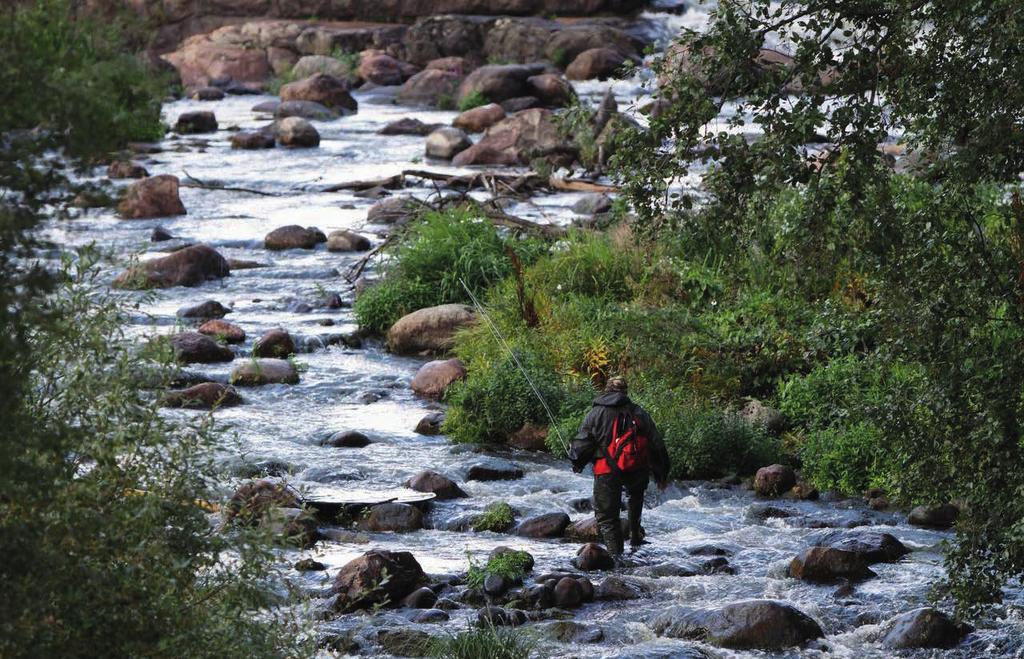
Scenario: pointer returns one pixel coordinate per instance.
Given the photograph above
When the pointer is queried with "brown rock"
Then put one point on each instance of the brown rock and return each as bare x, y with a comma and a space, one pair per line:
297, 132
347, 241
203, 396
190, 266
429, 330
600, 63
255, 372
274, 343
514, 140
553, 90
457, 65
434, 378
293, 237
378, 67
774, 480
395, 210
222, 329
429, 88
936, 517
828, 564
193, 347
310, 65
550, 525
593, 556
361, 583
254, 499
392, 517
530, 437
155, 196
480, 118
568, 593
125, 169
190, 123
430, 424
431, 481
348, 439
252, 140
321, 88
201, 60
445, 142
408, 126
498, 82
205, 310
207, 94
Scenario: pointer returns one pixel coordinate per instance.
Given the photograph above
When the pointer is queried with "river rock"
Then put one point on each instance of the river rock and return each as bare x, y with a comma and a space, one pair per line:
496, 616
935, 517
378, 67
431, 616
207, 94
125, 169
479, 118
292, 527
395, 211
872, 546
222, 330
377, 578
924, 628
343, 240
323, 89
600, 63
429, 330
443, 487
196, 348
408, 126
764, 416
190, 266
294, 236
429, 88
392, 517
306, 110
347, 439
255, 372
593, 556
251, 140
309, 565
208, 309
531, 437
403, 642
204, 396
310, 65
570, 631
592, 204
159, 235
494, 470
445, 142
568, 593
422, 598
514, 140
748, 625
254, 499
191, 123
274, 343
155, 196
205, 58
615, 588
434, 378
551, 89
498, 82
774, 480
297, 132
430, 424
828, 564
548, 525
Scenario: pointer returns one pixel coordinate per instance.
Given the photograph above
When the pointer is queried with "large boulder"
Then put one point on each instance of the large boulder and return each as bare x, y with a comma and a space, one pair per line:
429, 330
347, 241
408, 126
774, 480
222, 330
192, 123
923, 628
551, 89
156, 196
254, 499
494, 470
827, 565
306, 110
445, 36
498, 82
548, 525
274, 343
593, 556
935, 517
446, 142
434, 378
378, 67
202, 60
324, 89
251, 140
430, 481
429, 88
872, 546
600, 63
203, 396
377, 578
190, 266
748, 625
297, 132
196, 348
515, 140
392, 517
255, 372
395, 210
204, 310
294, 236
310, 65
479, 118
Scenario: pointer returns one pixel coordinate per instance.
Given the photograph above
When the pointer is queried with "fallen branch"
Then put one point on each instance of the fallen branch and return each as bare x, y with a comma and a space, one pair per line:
206, 185
388, 183
570, 185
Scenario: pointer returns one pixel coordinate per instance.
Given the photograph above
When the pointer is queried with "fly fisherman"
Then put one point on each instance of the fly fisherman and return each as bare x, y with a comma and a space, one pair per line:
620, 438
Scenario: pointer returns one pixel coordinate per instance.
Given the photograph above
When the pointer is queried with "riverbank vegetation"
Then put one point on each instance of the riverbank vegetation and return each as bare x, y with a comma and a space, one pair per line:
104, 505
880, 310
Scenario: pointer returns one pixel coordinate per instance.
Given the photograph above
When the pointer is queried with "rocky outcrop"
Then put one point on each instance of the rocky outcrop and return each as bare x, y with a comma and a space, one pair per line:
377, 578
310, 65
430, 330
190, 266
515, 140
156, 196
749, 625
434, 378
206, 58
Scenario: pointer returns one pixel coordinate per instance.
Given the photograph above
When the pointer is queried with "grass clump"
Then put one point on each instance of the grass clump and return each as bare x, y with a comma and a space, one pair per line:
474, 99
487, 642
510, 565
497, 517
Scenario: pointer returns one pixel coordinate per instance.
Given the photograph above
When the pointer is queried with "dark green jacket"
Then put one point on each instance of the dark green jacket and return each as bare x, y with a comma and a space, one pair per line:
595, 433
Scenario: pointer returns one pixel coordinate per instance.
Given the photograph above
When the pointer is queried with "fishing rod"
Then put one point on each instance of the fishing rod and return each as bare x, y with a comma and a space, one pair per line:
515, 358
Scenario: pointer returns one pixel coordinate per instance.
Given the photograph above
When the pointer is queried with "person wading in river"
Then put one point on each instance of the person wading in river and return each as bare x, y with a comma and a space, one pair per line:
620, 438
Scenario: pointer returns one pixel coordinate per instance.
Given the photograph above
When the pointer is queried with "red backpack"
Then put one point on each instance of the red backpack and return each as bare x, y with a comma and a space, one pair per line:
626, 452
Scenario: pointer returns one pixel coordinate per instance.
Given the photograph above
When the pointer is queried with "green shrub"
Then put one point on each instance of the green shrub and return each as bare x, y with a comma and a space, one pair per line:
377, 308
497, 517
511, 565
487, 642
474, 99
848, 459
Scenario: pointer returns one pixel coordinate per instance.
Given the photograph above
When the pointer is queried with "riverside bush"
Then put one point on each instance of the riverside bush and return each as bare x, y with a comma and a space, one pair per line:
487, 642
848, 458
